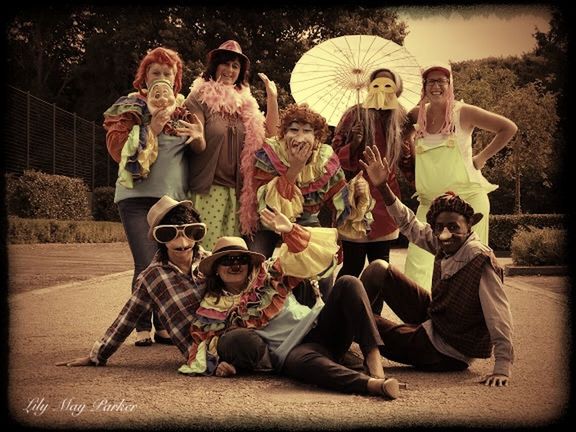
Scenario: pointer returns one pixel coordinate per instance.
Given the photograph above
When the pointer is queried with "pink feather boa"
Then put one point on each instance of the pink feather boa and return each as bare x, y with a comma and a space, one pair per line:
231, 101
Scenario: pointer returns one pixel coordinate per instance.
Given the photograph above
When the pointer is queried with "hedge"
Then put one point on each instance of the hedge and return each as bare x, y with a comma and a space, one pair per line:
503, 227
54, 231
46, 196
539, 246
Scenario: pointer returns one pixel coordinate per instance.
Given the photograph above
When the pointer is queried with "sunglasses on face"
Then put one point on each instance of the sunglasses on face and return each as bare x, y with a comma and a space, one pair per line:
167, 233
230, 260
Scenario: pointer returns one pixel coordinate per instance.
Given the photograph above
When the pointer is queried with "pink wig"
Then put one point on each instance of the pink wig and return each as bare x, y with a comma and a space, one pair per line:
448, 125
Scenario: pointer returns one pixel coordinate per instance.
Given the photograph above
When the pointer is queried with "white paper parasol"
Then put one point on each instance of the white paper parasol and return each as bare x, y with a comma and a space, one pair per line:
333, 76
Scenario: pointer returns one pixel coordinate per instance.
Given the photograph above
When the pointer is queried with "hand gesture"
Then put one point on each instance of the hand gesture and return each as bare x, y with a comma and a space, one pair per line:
224, 370
275, 220
495, 380
194, 130
357, 133
376, 167
159, 120
271, 90
361, 187
81, 361
298, 155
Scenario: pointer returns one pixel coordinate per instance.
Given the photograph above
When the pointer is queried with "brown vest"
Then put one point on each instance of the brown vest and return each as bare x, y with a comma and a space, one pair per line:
456, 311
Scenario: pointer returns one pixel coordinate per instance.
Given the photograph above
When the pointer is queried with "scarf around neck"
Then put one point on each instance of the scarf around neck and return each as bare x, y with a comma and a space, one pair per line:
228, 100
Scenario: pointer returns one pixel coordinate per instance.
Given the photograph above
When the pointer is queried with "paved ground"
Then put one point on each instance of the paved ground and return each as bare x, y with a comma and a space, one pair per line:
141, 389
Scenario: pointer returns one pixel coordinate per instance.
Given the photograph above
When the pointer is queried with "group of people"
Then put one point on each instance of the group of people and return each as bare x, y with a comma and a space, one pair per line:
220, 205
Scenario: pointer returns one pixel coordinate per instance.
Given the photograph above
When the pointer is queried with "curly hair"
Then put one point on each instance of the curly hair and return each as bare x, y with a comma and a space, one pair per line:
163, 56
303, 114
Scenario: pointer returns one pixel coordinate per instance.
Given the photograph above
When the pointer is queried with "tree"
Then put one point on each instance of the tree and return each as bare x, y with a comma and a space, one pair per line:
534, 112
84, 57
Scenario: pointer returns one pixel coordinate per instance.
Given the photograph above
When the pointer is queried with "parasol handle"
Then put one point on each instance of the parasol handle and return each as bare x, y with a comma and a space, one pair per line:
358, 105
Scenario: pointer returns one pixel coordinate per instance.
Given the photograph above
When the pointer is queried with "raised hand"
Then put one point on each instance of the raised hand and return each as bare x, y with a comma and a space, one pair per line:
361, 187
357, 134
375, 166
298, 154
275, 220
159, 119
194, 130
271, 90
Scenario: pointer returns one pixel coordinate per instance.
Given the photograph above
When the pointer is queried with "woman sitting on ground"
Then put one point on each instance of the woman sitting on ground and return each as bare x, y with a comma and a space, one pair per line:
246, 291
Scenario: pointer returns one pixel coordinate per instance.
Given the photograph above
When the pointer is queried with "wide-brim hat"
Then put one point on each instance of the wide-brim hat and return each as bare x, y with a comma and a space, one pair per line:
229, 46
159, 210
227, 246
440, 66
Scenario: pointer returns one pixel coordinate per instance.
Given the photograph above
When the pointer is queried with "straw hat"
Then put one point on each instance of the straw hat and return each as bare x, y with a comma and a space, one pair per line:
160, 209
228, 246
230, 46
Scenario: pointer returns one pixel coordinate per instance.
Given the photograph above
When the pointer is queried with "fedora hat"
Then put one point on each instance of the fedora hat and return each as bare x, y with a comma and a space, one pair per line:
227, 246
159, 210
229, 46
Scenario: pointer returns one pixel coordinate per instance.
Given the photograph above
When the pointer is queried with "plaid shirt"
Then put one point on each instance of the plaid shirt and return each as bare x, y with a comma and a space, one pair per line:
177, 296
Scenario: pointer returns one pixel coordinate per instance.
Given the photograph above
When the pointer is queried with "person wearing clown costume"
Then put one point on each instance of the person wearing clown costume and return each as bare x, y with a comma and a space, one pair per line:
378, 121
298, 174
148, 133
220, 178
442, 142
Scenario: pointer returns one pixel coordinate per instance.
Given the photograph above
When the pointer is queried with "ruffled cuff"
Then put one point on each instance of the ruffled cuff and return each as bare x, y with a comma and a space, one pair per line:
138, 154
358, 222
203, 360
285, 197
309, 252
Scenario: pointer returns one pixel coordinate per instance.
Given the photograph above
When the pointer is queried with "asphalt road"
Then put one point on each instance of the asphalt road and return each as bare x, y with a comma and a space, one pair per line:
141, 389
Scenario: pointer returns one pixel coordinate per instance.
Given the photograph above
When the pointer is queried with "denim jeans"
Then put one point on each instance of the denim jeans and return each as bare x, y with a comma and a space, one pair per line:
133, 212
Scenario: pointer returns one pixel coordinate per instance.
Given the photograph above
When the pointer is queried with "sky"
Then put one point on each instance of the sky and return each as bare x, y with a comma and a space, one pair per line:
455, 33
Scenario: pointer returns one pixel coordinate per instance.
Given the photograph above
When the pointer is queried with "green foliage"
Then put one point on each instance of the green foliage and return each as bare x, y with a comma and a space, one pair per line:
532, 157
84, 57
56, 231
539, 246
38, 195
503, 227
103, 206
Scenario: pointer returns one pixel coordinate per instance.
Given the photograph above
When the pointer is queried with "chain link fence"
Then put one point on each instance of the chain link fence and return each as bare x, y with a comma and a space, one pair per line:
38, 135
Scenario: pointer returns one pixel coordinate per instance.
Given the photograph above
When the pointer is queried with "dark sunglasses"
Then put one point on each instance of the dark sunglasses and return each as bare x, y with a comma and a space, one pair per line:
230, 260
167, 233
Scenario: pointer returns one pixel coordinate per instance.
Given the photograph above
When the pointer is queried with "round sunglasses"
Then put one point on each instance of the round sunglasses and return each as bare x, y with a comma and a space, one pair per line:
167, 233
230, 260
